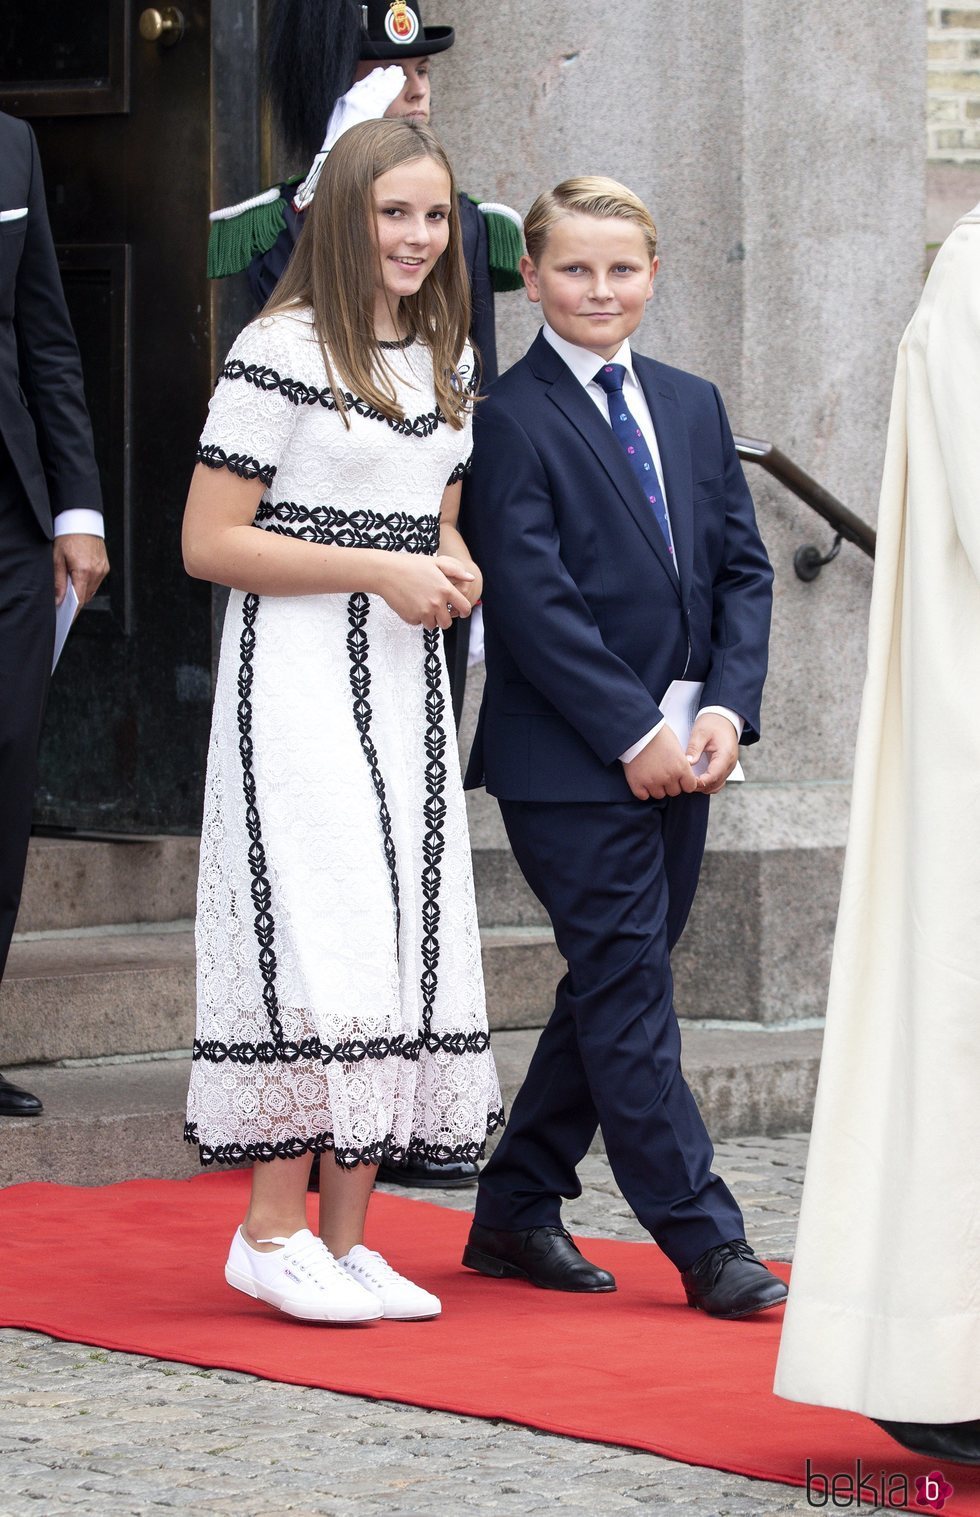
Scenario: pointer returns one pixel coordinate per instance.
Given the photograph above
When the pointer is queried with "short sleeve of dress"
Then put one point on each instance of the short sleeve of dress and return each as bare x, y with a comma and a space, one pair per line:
464, 439
251, 415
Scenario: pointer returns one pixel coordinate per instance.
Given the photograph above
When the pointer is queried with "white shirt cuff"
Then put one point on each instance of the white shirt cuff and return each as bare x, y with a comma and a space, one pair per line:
79, 519
624, 758
738, 722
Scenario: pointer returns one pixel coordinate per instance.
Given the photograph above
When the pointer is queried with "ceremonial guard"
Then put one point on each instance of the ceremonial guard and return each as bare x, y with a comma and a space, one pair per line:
331, 64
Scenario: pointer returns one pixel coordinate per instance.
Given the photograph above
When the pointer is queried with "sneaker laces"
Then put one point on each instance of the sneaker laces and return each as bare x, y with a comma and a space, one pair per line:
313, 1259
374, 1267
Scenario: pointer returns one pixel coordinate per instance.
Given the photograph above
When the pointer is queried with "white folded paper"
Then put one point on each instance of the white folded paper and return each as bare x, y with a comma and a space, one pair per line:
64, 615
680, 707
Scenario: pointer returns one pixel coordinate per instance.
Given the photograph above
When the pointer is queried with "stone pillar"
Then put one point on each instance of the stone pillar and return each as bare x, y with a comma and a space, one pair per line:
953, 170
781, 147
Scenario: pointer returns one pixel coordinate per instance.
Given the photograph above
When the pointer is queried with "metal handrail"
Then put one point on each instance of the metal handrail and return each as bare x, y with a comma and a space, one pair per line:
808, 561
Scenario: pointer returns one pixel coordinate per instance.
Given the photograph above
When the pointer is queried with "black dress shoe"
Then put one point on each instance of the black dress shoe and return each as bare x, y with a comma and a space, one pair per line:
428, 1176
15, 1102
957, 1442
544, 1255
729, 1281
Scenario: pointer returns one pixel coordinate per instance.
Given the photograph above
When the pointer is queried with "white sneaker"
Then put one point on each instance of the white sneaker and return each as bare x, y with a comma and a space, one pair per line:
400, 1300
301, 1277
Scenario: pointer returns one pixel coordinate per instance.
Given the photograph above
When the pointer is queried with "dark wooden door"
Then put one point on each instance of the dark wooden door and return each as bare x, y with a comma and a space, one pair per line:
123, 127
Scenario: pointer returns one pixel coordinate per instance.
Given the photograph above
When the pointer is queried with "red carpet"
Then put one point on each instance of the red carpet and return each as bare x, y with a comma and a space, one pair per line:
637, 1368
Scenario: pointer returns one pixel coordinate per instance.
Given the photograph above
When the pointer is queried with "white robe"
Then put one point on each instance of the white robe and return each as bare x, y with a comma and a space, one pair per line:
884, 1309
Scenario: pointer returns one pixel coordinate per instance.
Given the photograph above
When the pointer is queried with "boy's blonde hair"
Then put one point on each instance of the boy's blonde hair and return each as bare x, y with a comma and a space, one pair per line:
588, 195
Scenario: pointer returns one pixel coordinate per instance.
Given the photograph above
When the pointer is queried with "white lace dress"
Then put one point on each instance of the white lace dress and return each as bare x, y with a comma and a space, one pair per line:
340, 990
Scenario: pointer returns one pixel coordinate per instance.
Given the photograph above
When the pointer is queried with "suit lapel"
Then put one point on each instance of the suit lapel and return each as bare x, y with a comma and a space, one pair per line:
674, 443
571, 399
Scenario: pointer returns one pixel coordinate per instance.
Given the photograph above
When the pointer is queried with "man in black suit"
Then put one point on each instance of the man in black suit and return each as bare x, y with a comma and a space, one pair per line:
50, 504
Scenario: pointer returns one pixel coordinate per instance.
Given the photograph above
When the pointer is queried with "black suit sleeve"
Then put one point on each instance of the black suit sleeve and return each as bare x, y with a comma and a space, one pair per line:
742, 601
50, 368
531, 600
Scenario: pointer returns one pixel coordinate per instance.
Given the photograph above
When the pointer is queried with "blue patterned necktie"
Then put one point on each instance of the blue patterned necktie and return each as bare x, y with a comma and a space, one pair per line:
611, 378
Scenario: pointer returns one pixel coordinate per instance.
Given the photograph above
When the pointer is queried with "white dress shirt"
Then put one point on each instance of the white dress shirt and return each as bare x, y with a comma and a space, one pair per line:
585, 364
79, 519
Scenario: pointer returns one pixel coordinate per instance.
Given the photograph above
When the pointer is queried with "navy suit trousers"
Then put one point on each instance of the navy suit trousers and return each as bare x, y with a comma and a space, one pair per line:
617, 881
26, 644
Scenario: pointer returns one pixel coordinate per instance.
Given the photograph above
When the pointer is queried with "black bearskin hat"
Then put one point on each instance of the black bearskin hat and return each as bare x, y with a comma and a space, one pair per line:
312, 51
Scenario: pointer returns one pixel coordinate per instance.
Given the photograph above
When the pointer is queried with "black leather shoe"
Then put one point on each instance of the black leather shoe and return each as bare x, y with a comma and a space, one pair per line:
957, 1442
544, 1255
15, 1102
428, 1176
729, 1281
425, 1176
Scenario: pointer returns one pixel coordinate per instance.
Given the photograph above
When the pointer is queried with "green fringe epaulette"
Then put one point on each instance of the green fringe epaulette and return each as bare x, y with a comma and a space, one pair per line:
505, 236
242, 232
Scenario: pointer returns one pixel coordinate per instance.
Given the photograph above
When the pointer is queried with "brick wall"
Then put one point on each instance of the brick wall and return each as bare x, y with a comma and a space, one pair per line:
954, 84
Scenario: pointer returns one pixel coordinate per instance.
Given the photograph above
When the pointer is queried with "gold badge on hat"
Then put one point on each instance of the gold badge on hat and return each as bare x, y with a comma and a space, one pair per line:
401, 24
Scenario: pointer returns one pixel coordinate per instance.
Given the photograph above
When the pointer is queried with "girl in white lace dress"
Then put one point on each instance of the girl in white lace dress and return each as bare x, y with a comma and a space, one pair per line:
340, 992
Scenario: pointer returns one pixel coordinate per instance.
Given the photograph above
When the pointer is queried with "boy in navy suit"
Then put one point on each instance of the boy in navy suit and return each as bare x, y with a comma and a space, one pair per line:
618, 541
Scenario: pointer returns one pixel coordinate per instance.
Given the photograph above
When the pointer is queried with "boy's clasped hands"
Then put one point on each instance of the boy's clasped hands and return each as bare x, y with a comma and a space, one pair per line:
664, 768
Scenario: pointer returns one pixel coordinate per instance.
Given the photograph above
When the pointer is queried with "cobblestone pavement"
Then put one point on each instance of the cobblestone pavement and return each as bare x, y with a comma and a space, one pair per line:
98, 1434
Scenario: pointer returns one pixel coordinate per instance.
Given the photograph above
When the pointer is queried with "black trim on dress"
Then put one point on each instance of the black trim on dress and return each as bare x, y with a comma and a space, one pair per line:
382, 1151
241, 464
265, 927
434, 842
395, 533
350, 1051
358, 607
299, 394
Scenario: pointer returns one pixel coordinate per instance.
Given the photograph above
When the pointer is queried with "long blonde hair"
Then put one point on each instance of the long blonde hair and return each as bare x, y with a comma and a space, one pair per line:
334, 270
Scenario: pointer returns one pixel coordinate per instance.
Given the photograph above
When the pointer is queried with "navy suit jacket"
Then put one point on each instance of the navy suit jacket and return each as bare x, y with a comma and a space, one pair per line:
587, 621
43, 420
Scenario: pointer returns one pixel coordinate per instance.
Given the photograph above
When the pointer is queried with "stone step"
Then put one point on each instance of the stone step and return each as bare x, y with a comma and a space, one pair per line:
71, 884
756, 950
120, 992
502, 897
108, 1122
745, 1080
101, 1123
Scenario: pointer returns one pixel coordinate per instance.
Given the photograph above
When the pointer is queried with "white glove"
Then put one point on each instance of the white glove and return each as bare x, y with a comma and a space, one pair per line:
367, 100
